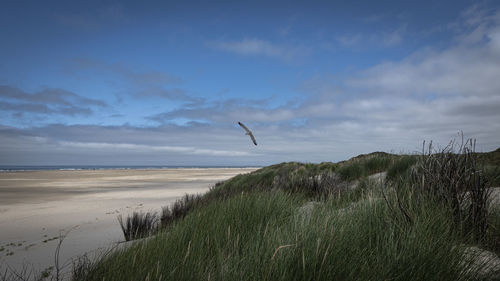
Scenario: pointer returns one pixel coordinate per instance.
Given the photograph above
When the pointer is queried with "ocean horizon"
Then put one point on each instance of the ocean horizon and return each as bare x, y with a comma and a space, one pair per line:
19, 168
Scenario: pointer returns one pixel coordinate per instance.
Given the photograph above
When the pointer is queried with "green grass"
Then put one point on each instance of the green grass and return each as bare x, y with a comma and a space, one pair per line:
365, 165
261, 236
400, 166
251, 227
205, 241
491, 158
303, 178
139, 225
492, 239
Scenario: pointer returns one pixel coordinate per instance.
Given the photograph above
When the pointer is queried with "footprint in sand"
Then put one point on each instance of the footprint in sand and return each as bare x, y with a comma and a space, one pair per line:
29, 246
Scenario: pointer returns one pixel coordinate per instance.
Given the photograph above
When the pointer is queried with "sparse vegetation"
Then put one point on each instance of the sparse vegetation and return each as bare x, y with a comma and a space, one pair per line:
259, 236
139, 225
179, 209
492, 236
400, 166
453, 176
250, 227
364, 165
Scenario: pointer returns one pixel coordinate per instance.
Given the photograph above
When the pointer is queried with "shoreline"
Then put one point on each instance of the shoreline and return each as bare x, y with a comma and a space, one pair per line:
15, 169
37, 206
38, 186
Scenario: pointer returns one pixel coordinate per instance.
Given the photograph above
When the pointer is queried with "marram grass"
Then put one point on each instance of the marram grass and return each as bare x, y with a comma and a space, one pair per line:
263, 236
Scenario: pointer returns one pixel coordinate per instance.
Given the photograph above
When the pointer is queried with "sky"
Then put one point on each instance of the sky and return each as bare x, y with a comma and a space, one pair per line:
165, 82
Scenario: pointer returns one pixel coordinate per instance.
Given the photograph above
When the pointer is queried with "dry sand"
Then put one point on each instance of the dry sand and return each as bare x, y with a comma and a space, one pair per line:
36, 206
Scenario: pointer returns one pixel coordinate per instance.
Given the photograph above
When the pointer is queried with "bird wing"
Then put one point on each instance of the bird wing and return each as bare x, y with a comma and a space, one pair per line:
248, 132
244, 127
253, 138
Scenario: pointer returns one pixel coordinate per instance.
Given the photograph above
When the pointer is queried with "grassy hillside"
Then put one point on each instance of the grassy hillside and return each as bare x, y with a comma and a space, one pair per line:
263, 236
328, 221
491, 158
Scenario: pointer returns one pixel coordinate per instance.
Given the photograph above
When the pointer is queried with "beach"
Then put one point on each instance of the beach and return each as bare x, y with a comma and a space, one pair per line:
36, 207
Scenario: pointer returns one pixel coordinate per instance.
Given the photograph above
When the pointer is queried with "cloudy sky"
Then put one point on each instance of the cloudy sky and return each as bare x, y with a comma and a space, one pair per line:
165, 83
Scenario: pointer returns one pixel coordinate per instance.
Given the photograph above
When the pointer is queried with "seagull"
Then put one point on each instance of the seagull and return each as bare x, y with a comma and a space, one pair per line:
248, 132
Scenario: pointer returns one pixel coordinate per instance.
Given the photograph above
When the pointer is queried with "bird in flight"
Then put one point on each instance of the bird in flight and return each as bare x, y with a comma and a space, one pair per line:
248, 132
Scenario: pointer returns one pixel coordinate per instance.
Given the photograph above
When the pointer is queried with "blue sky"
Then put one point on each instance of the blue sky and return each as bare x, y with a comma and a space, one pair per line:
165, 82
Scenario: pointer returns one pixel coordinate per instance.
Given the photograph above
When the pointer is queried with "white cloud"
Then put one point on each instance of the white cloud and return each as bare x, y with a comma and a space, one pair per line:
258, 47
461, 70
152, 148
393, 106
388, 38
49, 101
394, 37
350, 40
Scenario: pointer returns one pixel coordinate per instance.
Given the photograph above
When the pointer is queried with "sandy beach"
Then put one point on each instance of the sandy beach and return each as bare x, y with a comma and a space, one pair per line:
36, 206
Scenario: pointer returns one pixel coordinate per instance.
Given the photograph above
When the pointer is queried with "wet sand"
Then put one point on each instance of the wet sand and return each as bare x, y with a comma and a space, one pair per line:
36, 206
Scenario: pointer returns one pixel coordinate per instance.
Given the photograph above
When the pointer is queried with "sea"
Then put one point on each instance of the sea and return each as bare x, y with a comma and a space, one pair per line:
98, 167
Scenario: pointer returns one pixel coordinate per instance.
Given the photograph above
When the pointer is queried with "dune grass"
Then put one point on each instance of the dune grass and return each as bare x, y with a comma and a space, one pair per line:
252, 227
364, 165
261, 236
454, 176
138, 225
492, 235
400, 166
317, 181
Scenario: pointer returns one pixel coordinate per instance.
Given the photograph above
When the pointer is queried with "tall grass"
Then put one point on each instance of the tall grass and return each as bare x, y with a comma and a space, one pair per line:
26, 272
309, 183
179, 209
400, 167
139, 225
492, 235
314, 181
249, 228
453, 176
364, 165
258, 236
320, 181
